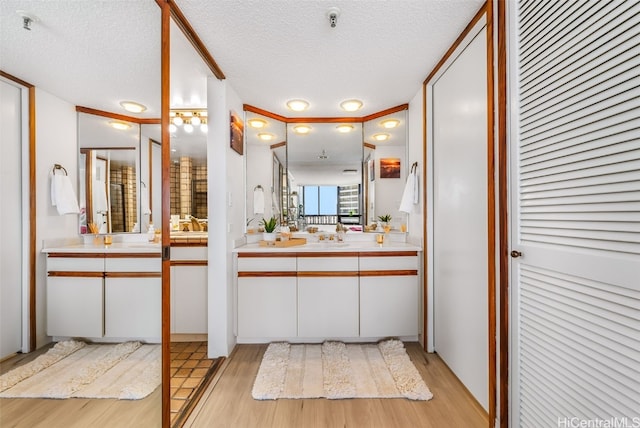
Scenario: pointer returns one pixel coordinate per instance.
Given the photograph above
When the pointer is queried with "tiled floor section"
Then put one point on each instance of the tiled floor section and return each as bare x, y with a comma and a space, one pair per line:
191, 371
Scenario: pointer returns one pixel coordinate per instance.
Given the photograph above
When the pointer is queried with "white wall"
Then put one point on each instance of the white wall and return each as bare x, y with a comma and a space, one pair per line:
415, 149
226, 214
56, 142
260, 167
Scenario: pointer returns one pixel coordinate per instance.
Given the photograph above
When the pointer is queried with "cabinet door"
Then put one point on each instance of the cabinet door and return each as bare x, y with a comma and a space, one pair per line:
74, 306
267, 307
189, 299
389, 306
328, 306
133, 307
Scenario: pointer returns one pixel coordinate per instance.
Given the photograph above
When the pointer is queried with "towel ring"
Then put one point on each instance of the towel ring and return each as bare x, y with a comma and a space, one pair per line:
58, 166
414, 167
258, 187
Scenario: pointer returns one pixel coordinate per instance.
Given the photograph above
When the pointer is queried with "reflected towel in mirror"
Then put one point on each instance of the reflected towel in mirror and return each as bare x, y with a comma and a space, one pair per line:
62, 195
411, 193
258, 200
99, 197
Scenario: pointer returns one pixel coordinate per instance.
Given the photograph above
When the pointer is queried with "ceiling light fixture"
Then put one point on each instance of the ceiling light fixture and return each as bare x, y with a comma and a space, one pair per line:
257, 123
351, 105
390, 123
301, 129
265, 136
297, 105
122, 126
344, 128
132, 106
381, 137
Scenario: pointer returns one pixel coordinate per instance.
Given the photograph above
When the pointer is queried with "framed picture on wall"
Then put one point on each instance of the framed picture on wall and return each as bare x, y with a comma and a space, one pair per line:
237, 133
372, 170
390, 168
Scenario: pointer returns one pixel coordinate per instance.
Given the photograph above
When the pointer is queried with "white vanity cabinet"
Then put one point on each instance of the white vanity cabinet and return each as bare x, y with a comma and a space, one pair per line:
267, 306
132, 296
74, 295
328, 295
104, 295
389, 294
189, 279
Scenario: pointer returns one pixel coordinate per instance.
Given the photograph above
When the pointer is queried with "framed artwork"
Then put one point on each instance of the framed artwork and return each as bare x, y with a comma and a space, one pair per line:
390, 168
372, 170
237, 133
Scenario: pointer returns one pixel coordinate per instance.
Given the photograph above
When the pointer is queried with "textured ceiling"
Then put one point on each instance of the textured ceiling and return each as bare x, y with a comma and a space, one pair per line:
97, 53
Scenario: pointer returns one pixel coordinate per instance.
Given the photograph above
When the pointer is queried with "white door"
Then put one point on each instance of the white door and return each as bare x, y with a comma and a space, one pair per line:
11, 228
460, 243
575, 197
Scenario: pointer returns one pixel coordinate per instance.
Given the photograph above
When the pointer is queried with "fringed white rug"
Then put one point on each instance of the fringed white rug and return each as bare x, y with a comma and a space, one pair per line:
126, 371
336, 370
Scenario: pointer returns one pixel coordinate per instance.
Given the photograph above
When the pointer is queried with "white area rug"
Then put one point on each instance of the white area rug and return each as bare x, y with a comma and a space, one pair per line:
126, 371
336, 370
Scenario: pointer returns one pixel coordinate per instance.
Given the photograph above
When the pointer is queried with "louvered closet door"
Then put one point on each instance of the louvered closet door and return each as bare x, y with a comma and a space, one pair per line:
576, 213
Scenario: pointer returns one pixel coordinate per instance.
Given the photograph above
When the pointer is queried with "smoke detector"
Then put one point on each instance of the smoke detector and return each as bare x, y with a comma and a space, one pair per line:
333, 13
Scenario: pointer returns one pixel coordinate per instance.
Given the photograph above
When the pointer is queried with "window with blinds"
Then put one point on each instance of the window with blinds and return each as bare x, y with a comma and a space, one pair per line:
576, 193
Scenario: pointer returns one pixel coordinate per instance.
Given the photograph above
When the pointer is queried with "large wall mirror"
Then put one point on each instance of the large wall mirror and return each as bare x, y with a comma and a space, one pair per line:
109, 165
317, 174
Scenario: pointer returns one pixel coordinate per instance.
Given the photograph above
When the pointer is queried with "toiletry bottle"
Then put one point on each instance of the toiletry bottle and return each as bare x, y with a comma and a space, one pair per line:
151, 233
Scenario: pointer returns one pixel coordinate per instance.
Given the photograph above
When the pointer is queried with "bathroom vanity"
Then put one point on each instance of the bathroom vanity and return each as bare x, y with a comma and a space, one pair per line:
104, 293
356, 291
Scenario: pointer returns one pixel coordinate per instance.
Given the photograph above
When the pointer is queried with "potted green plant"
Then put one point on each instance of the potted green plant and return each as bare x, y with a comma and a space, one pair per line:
384, 220
269, 228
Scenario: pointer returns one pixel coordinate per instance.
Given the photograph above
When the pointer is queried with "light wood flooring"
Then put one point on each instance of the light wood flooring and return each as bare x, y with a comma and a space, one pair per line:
227, 402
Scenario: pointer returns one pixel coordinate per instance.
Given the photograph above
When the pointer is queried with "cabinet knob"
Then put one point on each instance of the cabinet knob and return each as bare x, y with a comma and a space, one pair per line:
515, 254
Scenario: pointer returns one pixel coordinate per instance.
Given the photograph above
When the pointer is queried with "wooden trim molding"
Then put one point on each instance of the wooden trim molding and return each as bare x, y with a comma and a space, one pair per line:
396, 109
369, 145
75, 274
189, 263
327, 254
132, 255
388, 253
276, 145
362, 119
266, 254
404, 272
191, 35
133, 274
117, 116
325, 274
76, 255
266, 274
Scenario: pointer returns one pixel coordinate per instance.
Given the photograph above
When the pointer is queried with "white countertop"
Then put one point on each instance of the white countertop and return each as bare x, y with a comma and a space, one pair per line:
116, 247
330, 247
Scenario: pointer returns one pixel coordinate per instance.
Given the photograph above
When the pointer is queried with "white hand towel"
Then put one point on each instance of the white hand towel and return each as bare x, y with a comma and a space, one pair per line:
62, 195
258, 201
410, 194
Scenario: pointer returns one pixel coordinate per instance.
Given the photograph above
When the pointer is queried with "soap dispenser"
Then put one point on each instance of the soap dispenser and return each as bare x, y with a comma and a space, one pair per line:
151, 233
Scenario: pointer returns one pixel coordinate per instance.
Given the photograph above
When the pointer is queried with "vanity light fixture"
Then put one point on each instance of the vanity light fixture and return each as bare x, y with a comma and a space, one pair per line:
257, 123
381, 137
122, 126
297, 105
265, 136
178, 120
188, 127
132, 106
301, 129
172, 128
195, 120
188, 119
390, 123
204, 127
351, 105
343, 129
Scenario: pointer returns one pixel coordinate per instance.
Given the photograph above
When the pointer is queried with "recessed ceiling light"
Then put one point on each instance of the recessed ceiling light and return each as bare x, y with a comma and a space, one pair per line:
351, 105
122, 126
257, 123
390, 123
381, 137
133, 106
344, 128
297, 105
265, 136
301, 129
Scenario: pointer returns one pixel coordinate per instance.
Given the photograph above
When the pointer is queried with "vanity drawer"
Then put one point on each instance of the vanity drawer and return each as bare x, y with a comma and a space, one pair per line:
327, 264
388, 261
75, 264
266, 264
133, 264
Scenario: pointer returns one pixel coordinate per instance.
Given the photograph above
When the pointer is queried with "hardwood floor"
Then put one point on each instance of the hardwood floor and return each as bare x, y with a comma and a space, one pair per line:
228, 402
76, 412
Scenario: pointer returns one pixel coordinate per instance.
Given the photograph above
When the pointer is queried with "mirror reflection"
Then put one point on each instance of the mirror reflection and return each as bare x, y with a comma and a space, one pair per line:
109, 185
266, 167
